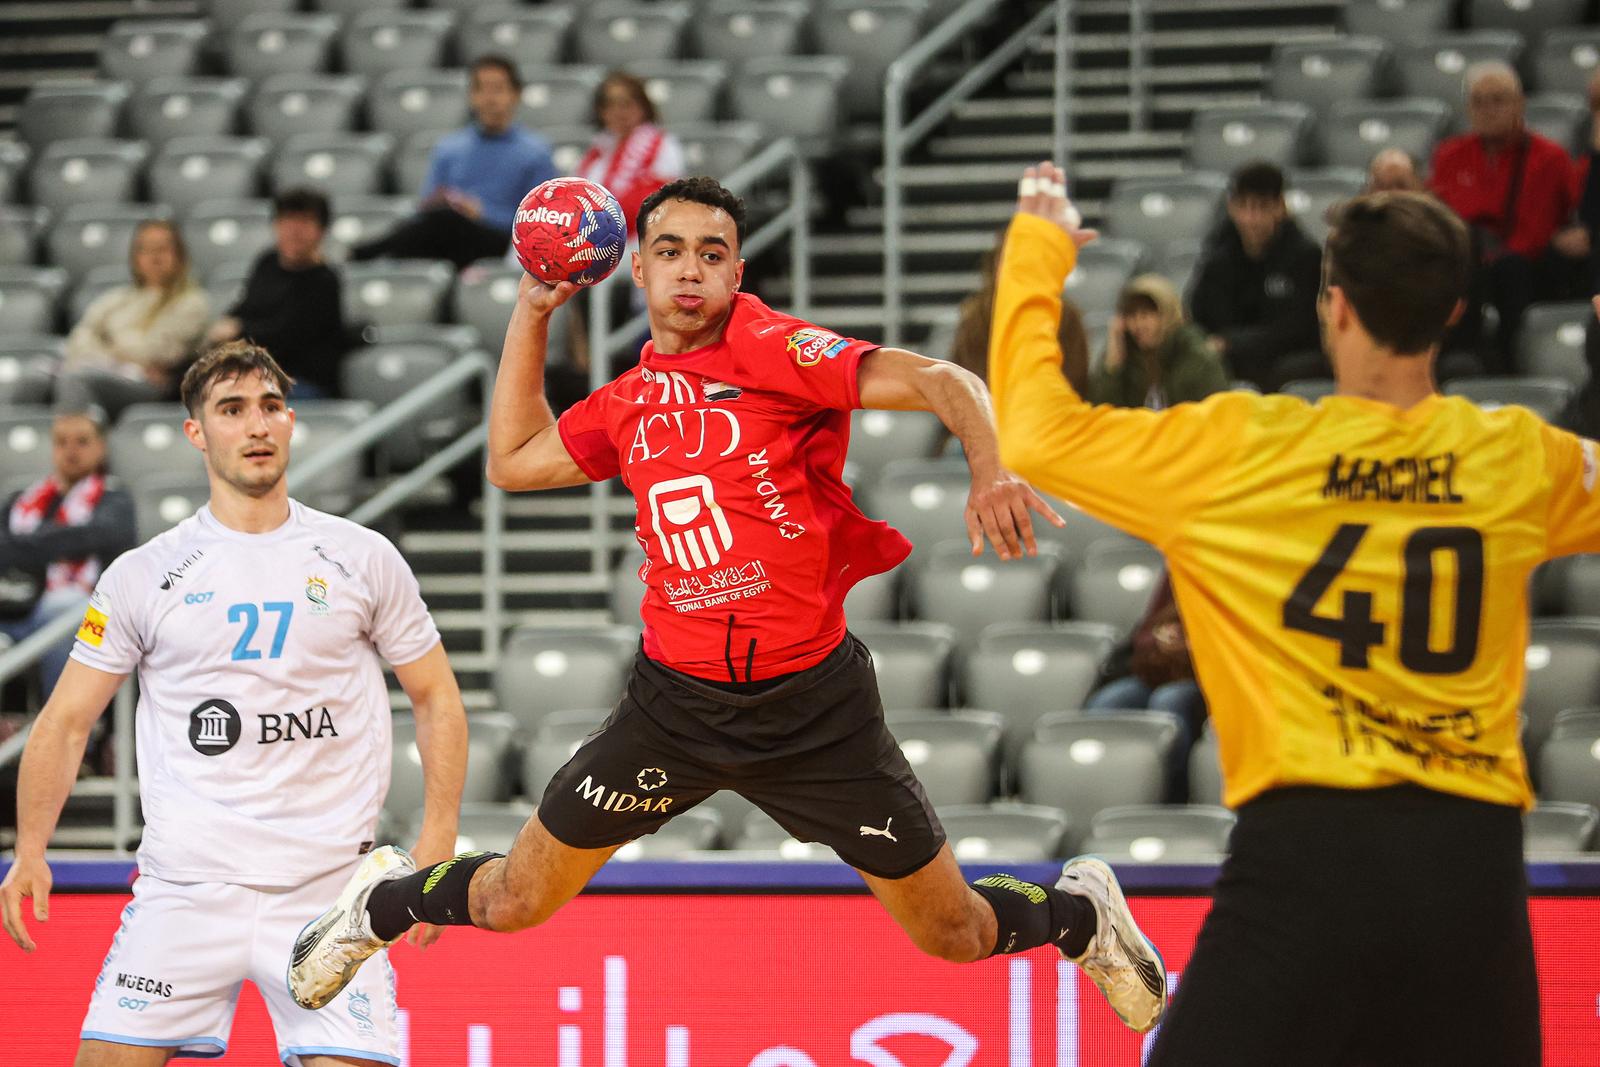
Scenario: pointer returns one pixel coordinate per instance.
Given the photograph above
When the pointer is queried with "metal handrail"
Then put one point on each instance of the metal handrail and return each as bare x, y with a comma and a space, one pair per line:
1138, 66
900, 136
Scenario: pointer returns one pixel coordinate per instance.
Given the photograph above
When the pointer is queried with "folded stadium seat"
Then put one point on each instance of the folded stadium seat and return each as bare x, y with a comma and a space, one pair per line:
91, 286
387, 292
455, 338
568, 145
188, 170
735, 30
13, 162
490, 763
223, 231
946, 585
955, 754
346, 8
271, 42
165, 108
148, 443
318, 426
694, 830
137, 50
871, 34
911, 660
1312, 192
24, 437
1563, 661
1205, 768
1085, 764
1563, 118
54, 111
485, 294
925, 499
1024, 670
1357, 130
1320, 73
543, 671
1551, 342
617, 32
557, 96
377, 42
1225, 138
1433, 67
1176, 263
719, 148
339, 164
1545, 397
1310, 390
548, 745
1398, 20
1104, 267
384, 373
28, 369
286, 104
162, 500
86, 170
1007, 831
1160, 833
759, 832
412, 160
1565, 59
535, 36
877, 438
797, 96
30, 299
1157, 211
1555, 830
1114, 583
1081, 531
1569, 760
20, 231
486, 827
1579, 585
86, 235
1521, 16
684, 90
226, 15
874, 599
403, 102
224, 283
355, 219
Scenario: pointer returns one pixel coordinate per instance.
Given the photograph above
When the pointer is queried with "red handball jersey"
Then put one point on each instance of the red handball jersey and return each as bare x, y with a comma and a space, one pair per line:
733, 453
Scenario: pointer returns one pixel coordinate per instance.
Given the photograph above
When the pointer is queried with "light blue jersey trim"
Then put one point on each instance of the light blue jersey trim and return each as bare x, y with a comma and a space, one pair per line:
163, 1042
330, 1050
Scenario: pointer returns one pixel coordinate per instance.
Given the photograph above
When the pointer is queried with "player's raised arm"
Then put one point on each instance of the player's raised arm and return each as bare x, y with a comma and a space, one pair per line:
49, 767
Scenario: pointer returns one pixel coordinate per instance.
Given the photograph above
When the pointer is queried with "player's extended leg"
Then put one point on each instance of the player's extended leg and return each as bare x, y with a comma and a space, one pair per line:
114, 1054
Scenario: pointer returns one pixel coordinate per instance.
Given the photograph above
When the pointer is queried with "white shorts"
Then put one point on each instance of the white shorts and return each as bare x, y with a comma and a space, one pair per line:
173, 974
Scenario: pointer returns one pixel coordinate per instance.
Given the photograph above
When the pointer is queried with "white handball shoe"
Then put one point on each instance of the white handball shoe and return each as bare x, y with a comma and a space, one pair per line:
332, 947
1119, 959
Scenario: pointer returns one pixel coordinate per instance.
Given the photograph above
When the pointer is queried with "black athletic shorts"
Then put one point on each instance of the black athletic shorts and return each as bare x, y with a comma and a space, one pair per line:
811, 751
1362, 928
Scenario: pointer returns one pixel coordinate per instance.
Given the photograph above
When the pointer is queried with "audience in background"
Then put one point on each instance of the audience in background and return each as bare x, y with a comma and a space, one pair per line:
1393, 171
1153, 358
58, 535
1255, 289
970, 347
1589, 189
632, 156
291, 304
476, 179
133, 341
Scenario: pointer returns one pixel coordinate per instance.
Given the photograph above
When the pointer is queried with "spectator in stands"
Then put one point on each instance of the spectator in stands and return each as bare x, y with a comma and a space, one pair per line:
133, 342
970, 347
1516, 190
632, 155
58, 535
292, 301
476, 179
1393, 171
1153, 358
1255, 289
1589, 186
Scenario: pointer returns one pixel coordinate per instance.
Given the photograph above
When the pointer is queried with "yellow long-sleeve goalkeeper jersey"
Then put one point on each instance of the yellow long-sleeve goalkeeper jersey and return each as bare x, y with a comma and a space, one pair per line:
1352, 576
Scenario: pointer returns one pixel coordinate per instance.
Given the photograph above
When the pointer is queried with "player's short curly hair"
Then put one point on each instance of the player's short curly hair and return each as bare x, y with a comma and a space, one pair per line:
699, 190
235, 359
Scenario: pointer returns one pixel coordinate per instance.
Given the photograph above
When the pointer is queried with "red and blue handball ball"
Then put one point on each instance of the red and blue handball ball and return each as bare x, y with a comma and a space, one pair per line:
569, 230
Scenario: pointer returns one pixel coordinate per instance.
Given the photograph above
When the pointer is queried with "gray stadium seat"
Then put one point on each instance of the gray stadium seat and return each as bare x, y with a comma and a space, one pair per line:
147, 443
412, 159
694, 830
188, 170
320, 424
923, 499
1545, 397
735, 30
377, 42
14, 158
86, 171
224, 231
759, 832
1104, 267
1562, 118
1085, 764
340, 164
1397, 20
1311, 192
1563, 660
1081, 531
355, 219
489, 754
28, 369
551, 744
225, 15
1524, 17
617, 32
1023, 671
286, 104
535, 36
1160, 833
946, 585
1177, 262
24, 443
20, 231
484, 296
1357, 130
1569, 760
87, 235
1158, 211
878, 438
161, 501
53, 111
684, 90
627, 590
1310, 390
1580, 584
224, 283
489, 827
543, 670
795, 96
1114, 584
568, 145
403, 102
186, 107
1566, 59
717, 149
1550, 344
271, 42
1007, 831
557, 96
1320, 73
137, 50
1225, 138
30, 299
389, 292
384, 373
871, 34
1434, 68
346, 8
100, 280
1557, 830
956, 754
873, 599
911, 660
1205, 769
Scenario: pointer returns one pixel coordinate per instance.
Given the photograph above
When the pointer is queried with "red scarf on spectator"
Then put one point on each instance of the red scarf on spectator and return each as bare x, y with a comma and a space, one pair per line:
33, 508
629, 169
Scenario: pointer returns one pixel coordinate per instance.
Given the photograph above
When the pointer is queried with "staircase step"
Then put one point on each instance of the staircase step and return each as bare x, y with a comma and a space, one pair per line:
1084, 147
564, 582
1233, 38
942, 284
990, 214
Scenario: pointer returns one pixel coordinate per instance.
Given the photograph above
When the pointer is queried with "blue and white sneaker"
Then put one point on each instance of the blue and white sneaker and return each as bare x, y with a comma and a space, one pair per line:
1119, 959
332, 947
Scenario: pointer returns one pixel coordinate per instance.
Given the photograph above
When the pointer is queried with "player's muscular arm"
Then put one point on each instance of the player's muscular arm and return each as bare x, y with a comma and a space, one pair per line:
49, 767
525, 450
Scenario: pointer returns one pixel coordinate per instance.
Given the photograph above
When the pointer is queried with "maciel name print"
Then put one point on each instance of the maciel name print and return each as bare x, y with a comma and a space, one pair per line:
1405, 480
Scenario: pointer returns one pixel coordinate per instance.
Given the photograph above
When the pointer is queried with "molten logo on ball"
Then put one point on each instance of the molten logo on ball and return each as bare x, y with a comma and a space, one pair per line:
569, 230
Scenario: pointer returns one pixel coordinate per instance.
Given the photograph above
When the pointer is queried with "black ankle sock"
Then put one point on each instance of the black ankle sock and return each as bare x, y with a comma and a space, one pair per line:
436, 894
1031, 915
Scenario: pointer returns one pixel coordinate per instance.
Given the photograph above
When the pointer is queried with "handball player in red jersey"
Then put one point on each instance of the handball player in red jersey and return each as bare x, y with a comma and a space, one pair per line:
731, 434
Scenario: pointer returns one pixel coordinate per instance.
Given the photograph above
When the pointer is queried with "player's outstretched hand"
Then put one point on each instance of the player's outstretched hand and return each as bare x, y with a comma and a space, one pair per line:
28, 877
542, 298
997, 509
1043, 192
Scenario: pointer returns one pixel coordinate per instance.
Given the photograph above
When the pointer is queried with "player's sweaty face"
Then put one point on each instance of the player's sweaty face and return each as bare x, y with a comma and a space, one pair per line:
688, 265
245, 425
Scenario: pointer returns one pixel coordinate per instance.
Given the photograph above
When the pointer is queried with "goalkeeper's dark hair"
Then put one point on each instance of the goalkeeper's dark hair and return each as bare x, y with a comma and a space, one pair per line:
698, 190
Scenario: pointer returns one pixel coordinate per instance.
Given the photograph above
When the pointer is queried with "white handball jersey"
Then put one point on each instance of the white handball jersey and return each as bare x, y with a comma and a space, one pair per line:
263, 722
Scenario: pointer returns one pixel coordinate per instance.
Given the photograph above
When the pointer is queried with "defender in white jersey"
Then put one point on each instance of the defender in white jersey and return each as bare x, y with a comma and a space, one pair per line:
263, 743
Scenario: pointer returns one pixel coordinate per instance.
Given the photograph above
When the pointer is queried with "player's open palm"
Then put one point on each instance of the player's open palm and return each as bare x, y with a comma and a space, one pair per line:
997, 509
1043, 192
29, 877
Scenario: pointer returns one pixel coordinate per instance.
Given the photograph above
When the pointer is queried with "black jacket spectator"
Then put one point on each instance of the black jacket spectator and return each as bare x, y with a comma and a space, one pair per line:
297, 315
1264, 310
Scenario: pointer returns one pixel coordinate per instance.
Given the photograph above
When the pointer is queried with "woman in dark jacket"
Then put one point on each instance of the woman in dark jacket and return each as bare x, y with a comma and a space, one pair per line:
1153, 358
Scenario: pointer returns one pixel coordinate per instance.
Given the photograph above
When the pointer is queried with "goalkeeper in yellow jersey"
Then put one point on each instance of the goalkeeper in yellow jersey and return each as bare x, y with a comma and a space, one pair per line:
1353, 576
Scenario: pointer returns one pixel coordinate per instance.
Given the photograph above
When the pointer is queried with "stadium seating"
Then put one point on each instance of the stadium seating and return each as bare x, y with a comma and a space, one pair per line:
30, 299
1103, 268
286, 104
923, 499
489, 763
1085, 764
871, 34
1007, 831
223, 231
165, 108
1157, 211
271, 42
911, 660
390, 292
1357, 130
1563, 661
718, 148
683, 91
381, 374
1160, 833
86, 171
1310, 390
1397, 20
25, 435
557, 96
13, 163
57, 110
614, 33
873, 599
226, 15
1434, 67
955, 754
488, 827
224, 283
946, 585
878, 438
161, 501
147, 442
1569, 761
535, 36
543, 670
1025, 671
1551, 343
319, 424
376, 42
694, 830
1115, 582
1321, 73
356, 219
759, 832
20, 230
735, 30
1545, 397
339, 164
1565, 60
1580, 584
1555, 830
1224, 138
87, 235
27, 370
188, 170
1312, 192
1523, 16
1562, 118
1205, 769
346, 8
412, 160
793, 96
483, 298
1177, 262
136, 50
552, 743
100, 280
404, 102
